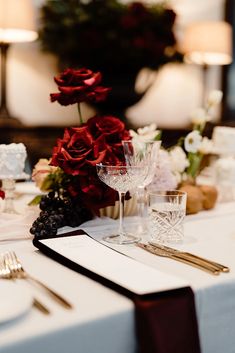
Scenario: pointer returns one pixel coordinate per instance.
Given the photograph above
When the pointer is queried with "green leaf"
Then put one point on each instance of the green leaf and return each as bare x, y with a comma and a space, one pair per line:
195, 161
47, 183
35, 201
158, 136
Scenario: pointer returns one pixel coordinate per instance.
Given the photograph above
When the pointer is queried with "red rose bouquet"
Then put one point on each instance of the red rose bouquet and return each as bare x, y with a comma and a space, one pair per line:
74, 191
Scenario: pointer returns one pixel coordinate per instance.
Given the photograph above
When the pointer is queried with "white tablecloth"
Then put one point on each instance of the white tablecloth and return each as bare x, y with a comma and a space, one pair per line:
102, 321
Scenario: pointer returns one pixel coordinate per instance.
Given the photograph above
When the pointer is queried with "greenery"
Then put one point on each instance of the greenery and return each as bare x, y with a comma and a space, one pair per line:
108, 35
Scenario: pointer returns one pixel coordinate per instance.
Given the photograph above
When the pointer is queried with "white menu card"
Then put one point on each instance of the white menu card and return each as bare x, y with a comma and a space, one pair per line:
112, 265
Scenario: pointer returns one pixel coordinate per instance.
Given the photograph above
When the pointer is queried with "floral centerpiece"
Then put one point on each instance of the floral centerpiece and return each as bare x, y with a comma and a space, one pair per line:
180, 166
74, 192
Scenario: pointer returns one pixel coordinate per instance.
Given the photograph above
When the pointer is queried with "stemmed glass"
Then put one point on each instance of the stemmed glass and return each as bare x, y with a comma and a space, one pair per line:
121, 179
139, 154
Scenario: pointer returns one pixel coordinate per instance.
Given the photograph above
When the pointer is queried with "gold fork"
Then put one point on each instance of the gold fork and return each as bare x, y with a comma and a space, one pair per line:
18, 271
5, 273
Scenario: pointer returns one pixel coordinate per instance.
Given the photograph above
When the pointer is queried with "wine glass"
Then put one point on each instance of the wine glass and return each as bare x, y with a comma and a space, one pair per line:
121, 179
141, 153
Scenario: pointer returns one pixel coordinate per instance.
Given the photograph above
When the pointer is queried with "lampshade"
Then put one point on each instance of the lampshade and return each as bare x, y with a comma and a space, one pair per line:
208, 43
17, 22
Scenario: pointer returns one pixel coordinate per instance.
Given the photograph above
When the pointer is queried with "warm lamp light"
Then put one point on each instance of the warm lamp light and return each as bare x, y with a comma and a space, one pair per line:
208, 43
17, 24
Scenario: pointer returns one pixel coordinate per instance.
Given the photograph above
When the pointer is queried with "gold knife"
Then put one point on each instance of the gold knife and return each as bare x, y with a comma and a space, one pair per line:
220, 267
181, 258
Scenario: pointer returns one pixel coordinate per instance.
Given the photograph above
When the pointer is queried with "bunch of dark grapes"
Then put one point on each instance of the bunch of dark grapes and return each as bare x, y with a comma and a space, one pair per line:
57, 212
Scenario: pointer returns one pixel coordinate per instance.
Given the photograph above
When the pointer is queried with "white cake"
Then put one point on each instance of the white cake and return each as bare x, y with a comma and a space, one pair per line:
223, 138
225, 170
12, 161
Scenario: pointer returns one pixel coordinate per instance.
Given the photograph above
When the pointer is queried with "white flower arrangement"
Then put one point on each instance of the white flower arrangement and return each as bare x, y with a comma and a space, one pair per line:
182, 161
195, 145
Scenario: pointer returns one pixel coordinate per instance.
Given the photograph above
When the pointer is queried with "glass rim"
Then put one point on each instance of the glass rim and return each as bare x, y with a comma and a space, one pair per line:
170, 192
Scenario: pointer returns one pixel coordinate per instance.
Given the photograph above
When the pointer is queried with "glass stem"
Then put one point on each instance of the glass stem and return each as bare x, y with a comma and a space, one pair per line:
141, 206
121, 213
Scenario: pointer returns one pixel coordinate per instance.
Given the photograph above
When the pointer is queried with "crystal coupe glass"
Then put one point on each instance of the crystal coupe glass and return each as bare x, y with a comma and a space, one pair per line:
140, 154
121, 179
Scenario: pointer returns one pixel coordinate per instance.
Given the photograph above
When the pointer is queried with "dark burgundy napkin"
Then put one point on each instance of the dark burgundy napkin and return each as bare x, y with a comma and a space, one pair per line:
165, 322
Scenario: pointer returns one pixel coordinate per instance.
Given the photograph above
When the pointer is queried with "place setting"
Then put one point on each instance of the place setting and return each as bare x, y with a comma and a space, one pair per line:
117, 176
17, 297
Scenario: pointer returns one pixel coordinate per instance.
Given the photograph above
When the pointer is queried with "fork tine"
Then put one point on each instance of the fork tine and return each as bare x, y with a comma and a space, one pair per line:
4, 270
17, 261
11, 264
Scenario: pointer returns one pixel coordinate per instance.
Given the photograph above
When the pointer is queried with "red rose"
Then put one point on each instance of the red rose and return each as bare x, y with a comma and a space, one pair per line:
96, 194
110, 126
113, 129
78, 86
77, 151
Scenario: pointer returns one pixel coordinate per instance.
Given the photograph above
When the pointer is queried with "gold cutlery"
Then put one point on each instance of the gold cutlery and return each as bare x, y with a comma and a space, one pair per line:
17, 271
220, 267
41, 307
5, 273
193, 262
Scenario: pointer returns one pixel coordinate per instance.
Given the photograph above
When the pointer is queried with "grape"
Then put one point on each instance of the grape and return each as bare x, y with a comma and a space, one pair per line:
57, 212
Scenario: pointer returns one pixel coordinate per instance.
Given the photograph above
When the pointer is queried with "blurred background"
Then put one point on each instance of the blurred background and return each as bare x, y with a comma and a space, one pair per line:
165, 94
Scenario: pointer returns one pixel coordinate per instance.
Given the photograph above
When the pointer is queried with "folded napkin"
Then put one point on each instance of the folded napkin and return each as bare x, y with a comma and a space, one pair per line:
165, 322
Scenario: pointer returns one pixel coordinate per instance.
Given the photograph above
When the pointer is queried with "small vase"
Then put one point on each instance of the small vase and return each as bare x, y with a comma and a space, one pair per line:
199, 197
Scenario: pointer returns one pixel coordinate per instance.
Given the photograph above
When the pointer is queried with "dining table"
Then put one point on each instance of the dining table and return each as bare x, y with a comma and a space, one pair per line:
102, 320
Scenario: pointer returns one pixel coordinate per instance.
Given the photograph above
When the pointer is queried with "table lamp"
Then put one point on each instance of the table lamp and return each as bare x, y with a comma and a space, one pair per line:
208, 43
17, 24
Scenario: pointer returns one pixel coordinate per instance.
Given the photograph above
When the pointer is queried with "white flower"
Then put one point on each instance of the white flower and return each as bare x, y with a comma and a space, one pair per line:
193, 141
214, 97
147, 129
145, 134
206, 146
178, 159
199, 116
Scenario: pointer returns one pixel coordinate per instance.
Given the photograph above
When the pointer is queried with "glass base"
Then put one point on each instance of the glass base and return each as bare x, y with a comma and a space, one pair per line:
127, 238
